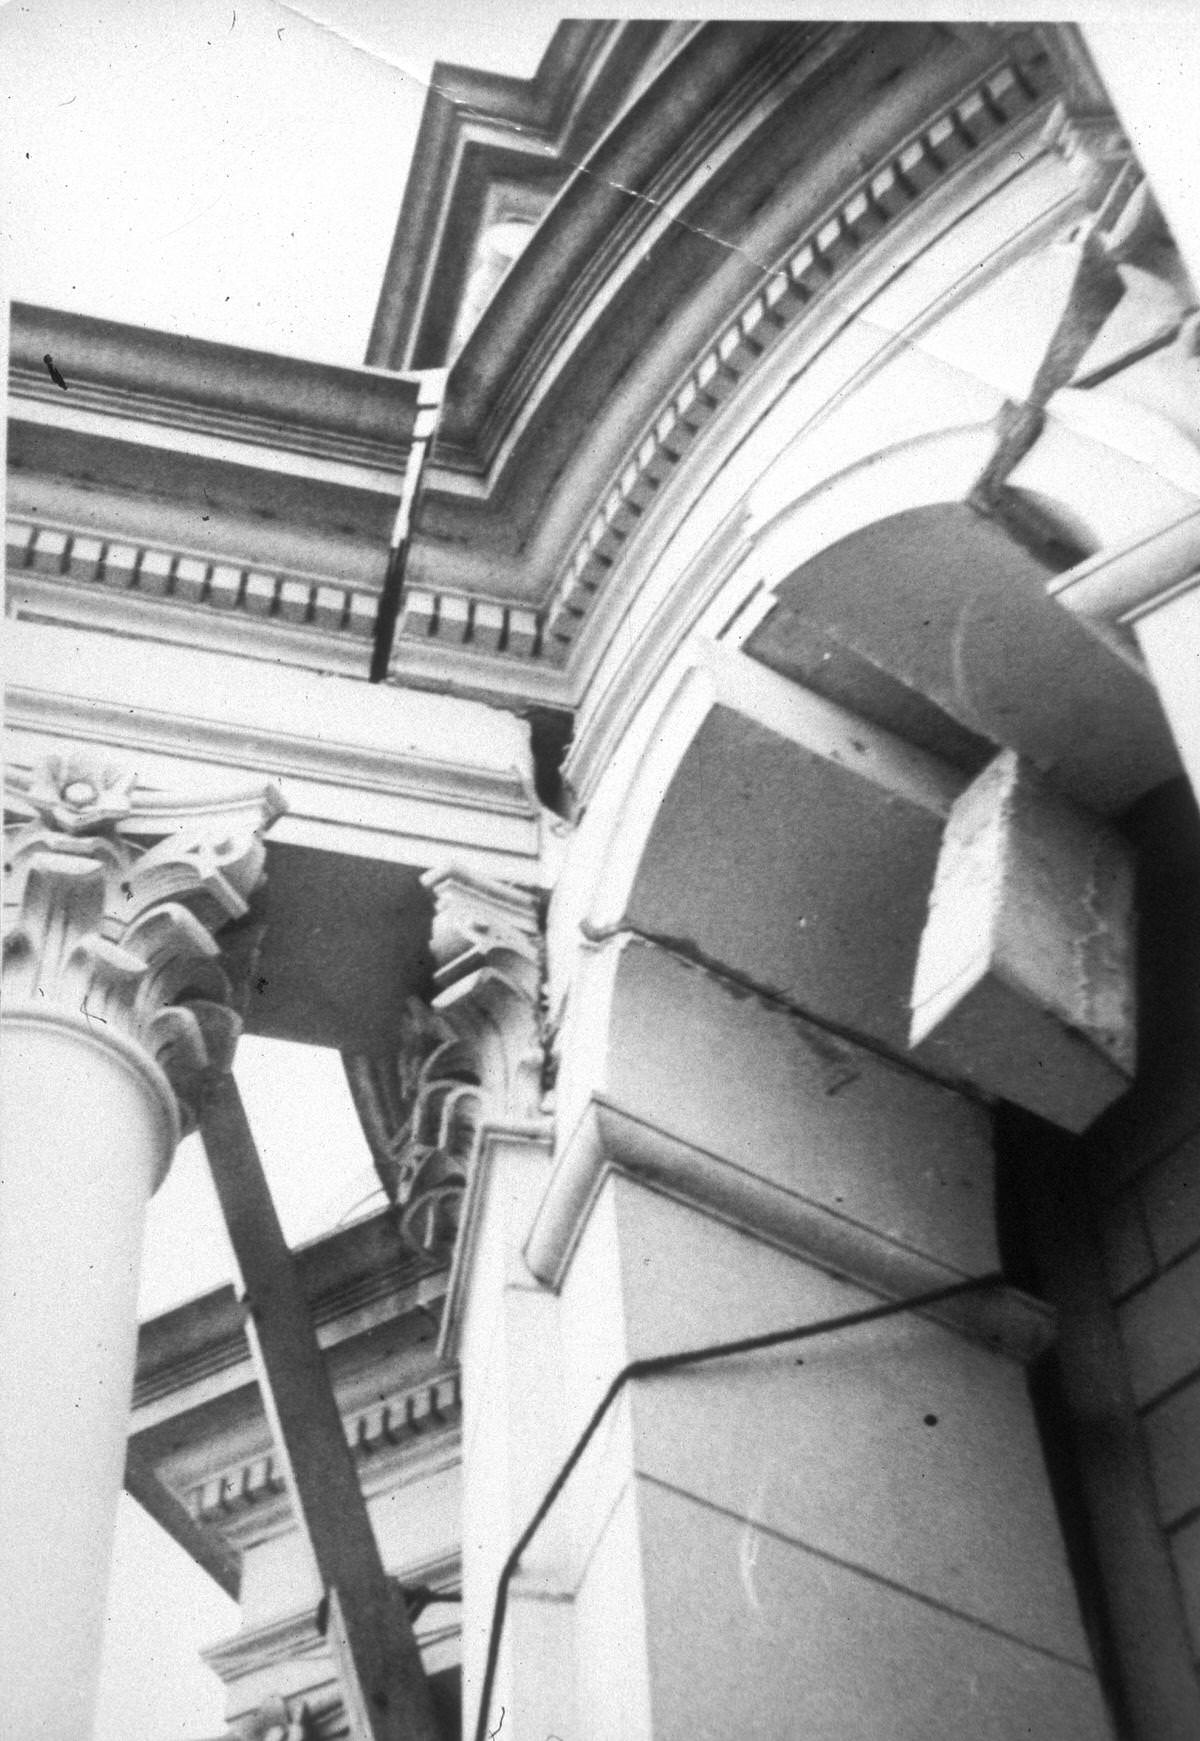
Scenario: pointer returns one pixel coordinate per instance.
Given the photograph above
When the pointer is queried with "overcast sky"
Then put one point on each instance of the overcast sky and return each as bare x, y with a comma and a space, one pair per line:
228, 170
233, 172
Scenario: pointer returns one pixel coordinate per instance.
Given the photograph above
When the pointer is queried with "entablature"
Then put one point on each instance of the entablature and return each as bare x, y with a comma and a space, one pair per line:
590, 374
183, 490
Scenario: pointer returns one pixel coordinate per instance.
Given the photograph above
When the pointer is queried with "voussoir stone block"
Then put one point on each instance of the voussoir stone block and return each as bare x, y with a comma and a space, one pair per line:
1024, 982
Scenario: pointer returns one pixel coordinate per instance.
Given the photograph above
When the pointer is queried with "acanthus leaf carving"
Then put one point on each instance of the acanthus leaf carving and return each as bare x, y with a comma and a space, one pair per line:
473, 1053
102, 927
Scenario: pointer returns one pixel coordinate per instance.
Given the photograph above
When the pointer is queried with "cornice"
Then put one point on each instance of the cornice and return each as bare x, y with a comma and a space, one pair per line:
478, 127
408, 1425
869, 209
643, 178
184, 594
516, 637
281, 1640
256, 398
358, 1272
1000, 103
177, 486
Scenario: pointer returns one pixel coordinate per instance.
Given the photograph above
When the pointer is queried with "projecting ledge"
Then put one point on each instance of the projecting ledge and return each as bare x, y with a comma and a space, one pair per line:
1025, 978
608, 1140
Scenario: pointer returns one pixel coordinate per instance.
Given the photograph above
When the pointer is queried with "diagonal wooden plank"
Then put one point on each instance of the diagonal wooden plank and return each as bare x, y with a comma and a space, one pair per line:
383, 1681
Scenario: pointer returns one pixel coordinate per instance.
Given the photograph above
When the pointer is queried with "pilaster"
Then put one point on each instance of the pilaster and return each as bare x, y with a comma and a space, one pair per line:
863, 1538
473, 1054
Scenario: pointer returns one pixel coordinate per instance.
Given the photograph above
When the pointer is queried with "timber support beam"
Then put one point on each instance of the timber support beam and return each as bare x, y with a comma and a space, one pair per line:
379, 1664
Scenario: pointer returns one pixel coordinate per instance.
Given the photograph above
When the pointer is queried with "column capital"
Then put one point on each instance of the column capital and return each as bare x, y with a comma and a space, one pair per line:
114, 900
474, 1053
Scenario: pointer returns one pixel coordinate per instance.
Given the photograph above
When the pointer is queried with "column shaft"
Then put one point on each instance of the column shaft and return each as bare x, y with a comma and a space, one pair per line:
87, 1132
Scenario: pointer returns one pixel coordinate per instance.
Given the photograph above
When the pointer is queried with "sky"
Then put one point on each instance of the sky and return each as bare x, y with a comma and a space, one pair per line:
235, 171
162, 1608
229, 170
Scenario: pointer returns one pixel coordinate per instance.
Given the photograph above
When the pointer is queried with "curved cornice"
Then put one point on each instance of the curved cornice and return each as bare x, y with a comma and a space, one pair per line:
652, 288
479, 128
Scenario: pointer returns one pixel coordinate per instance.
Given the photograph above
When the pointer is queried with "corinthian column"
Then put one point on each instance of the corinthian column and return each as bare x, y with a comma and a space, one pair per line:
116, 1013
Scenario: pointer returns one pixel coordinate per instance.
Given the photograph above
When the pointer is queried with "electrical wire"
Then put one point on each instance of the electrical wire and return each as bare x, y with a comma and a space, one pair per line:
653, 1366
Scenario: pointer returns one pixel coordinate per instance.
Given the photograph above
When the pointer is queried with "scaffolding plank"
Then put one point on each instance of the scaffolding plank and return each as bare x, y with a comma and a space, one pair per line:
384, 1686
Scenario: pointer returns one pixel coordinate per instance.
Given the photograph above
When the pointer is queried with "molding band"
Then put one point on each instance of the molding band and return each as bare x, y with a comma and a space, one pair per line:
607, 1140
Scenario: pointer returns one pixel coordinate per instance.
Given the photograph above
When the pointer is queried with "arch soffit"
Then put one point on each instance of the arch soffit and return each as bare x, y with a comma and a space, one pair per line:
1077, 706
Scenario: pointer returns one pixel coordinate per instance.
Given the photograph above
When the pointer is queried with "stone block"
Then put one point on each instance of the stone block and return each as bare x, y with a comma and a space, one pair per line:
17, 545
563, 625
361, 620
1172, 1431
888, 193
864, 215
260, 594
693, 406
225, 587
419, 613
1171, 1193
672, 431
1160, 1327
917, 167
49, 550
294, 596
1128, 1258
454, 618
154, 573
835, 245
782, 1100
782, 299
120, 565
522, 633
904, 1406
785, 1641
1185, 1551
1024, 980
329, 607
489, 626
84, 560
948, 140
740, 348
191, 578
714, 378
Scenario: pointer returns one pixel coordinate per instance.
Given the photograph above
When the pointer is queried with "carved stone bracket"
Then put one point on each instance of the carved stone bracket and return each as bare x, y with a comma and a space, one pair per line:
112, 922
474, 1053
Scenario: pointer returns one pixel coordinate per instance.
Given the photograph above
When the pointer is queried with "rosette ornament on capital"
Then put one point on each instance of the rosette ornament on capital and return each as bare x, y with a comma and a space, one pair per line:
115, 897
